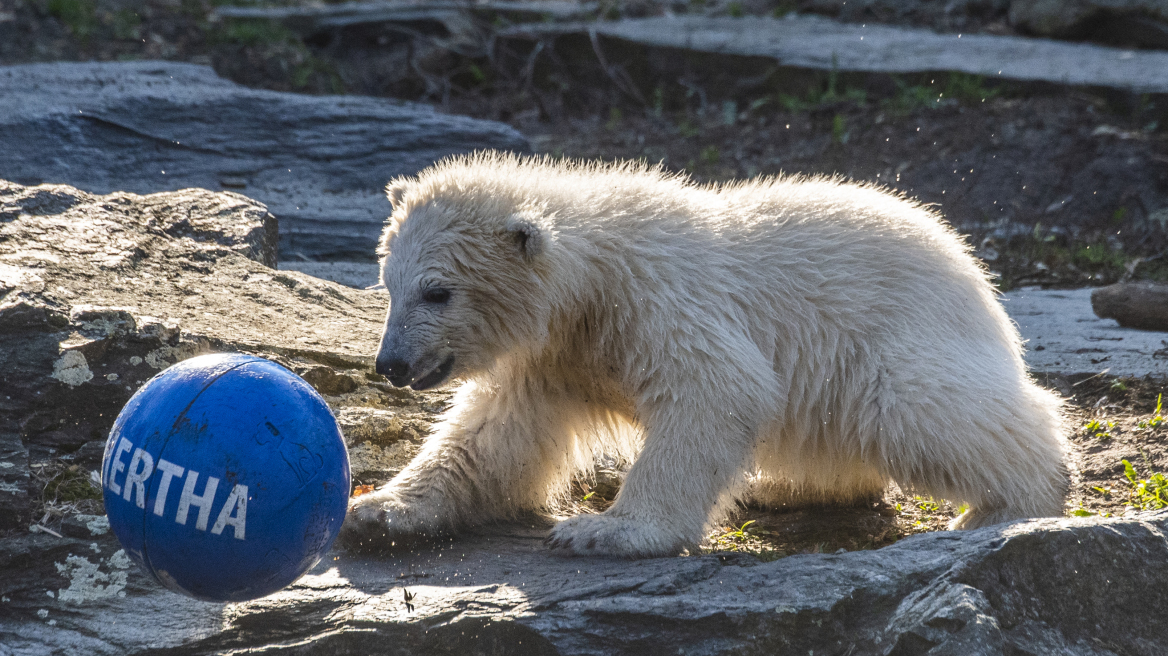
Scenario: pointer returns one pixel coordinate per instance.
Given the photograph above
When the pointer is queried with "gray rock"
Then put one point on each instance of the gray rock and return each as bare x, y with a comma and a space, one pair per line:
1141, 305
14, 473
1077, 18
99, 293
1064, 336
813, 42
361, 275
318, 162
1067, 586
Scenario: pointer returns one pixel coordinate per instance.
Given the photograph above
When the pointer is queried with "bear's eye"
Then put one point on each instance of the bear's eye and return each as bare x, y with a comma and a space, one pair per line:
436, 295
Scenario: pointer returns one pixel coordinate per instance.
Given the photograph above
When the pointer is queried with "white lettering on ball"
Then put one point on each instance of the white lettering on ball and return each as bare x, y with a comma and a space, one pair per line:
169, 471
234, 513
116, 465
202, 501
141, 467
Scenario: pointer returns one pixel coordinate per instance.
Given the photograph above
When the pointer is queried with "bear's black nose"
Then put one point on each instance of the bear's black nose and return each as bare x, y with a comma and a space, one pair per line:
397, 371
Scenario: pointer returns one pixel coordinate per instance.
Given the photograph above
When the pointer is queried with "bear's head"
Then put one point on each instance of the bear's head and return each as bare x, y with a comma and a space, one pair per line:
464, 265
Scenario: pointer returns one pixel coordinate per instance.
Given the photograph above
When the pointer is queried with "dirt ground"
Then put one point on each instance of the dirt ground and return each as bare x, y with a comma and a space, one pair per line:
1052, 186
1109, 421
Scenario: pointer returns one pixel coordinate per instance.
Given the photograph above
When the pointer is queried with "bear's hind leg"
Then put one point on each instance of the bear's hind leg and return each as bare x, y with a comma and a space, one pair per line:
998, 449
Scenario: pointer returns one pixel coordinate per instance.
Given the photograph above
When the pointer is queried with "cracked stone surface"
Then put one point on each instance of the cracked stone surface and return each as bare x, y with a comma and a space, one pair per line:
1067, 586
97, 293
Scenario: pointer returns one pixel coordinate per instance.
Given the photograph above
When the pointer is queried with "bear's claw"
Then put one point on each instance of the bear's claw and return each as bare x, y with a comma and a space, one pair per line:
606, 535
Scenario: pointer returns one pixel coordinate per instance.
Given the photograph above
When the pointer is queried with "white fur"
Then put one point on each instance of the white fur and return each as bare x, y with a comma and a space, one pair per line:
816, 336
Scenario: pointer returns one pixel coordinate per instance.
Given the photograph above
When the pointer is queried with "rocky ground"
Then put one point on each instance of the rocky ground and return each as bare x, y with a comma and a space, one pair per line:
100, 292
1054, 186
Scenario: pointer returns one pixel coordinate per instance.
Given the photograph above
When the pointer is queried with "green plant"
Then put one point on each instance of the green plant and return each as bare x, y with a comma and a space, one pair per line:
1157, 419
739, 534
743, 538
735, 9
839, 129
1099, 429
476, 73
710, 155
927, 506
69, 485
910, 97
1098, 256
968, 88
1147, 493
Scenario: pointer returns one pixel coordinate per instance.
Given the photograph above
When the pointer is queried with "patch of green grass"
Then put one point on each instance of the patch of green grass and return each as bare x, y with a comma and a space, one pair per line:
1083, 512
735, 9
1094, 257
910, 97
958, 87
254, 32
126, 24
968, 88
688, 128
710, 155
829, 93
745, 538
927, 505
615, 116
783, 8
80, 16
312, 66
1147, 493
69, 485
1099, 429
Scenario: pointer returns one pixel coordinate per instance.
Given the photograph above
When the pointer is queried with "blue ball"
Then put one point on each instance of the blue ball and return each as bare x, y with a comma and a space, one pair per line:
225, 477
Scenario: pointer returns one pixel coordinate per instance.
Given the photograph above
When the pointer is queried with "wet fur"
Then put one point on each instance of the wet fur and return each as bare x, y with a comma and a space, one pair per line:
791, 339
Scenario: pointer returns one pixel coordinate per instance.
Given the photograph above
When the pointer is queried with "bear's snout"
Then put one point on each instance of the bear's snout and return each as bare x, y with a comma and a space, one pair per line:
395, 369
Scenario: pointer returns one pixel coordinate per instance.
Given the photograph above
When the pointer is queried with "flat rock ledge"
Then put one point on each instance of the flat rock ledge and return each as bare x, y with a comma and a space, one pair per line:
319, 163
1064, 586
818, 43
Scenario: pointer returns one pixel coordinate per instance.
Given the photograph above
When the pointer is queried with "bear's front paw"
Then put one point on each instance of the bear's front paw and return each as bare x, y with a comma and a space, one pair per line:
608, 535
382, 518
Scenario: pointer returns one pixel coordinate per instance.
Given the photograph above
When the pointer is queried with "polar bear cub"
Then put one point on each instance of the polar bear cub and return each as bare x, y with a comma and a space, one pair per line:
805, 338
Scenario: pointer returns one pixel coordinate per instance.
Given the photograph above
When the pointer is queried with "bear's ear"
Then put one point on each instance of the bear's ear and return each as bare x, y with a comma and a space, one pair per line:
529, 237
395, 191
